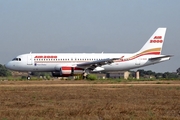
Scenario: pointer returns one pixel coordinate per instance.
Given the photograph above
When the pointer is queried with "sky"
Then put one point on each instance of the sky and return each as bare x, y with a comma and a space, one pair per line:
88, 26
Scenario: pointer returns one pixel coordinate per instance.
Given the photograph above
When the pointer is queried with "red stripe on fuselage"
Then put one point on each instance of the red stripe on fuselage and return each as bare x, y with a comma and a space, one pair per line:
136, 56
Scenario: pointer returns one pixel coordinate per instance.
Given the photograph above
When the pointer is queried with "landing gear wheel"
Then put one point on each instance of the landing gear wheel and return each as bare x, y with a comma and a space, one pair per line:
85, 76
28, 77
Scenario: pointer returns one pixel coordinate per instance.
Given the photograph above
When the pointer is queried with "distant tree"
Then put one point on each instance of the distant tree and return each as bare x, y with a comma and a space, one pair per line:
158, 75
141, 72
133, 74
41, 73
169, 75
166, 75
178, 71
149, 72
4, 72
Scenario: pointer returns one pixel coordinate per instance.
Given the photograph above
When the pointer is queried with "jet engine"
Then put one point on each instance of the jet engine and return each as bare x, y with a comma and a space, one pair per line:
67, 71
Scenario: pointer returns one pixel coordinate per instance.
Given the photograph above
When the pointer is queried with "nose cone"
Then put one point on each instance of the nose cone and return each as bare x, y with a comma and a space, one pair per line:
9, 65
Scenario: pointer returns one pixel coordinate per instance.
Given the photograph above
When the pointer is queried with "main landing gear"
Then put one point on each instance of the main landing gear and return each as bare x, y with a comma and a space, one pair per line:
84, 75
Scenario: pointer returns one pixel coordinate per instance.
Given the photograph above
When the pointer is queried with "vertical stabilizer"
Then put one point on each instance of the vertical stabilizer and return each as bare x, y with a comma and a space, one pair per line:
155, 43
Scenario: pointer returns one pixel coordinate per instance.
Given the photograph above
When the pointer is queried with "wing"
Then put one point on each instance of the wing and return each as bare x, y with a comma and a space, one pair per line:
97, 63
158, 58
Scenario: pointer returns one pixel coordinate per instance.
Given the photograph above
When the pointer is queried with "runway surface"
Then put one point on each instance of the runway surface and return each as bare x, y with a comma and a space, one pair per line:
84, 83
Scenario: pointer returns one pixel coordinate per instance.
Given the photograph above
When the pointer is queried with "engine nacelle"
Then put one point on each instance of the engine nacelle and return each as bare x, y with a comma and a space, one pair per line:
66, 71
57, 74
98, 69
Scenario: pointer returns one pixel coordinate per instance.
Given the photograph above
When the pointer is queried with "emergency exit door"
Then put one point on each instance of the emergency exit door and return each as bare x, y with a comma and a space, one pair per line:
29, 59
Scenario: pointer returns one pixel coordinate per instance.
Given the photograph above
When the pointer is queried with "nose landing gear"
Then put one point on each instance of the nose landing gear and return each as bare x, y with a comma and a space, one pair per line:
29, 76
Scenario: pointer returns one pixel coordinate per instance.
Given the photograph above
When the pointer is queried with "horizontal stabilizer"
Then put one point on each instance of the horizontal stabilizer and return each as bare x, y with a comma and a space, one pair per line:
157, 58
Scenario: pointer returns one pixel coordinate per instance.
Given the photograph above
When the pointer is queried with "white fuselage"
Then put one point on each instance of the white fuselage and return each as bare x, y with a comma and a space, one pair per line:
49, 62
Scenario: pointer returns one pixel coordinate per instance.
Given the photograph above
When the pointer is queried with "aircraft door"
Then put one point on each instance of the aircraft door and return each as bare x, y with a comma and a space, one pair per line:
29, 59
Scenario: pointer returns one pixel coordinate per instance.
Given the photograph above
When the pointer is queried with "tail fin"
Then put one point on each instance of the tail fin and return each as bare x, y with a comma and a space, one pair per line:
155, 43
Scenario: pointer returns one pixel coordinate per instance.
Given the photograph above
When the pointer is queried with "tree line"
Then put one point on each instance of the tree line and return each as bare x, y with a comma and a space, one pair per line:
4, 72
166, 75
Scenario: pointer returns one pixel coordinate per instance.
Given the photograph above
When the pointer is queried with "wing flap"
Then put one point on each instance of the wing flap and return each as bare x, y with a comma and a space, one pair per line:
97, 63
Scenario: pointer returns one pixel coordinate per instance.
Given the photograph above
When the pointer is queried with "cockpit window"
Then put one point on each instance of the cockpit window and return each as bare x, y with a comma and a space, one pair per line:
16, 59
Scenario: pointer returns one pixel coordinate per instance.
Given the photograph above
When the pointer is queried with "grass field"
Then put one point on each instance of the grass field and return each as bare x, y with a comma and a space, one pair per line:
83, 100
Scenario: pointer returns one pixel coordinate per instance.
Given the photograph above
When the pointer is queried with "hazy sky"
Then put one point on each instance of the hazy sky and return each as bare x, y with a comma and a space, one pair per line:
88, 26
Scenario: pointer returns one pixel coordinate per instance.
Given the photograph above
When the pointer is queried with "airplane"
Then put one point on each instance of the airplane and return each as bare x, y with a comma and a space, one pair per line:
71, 64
